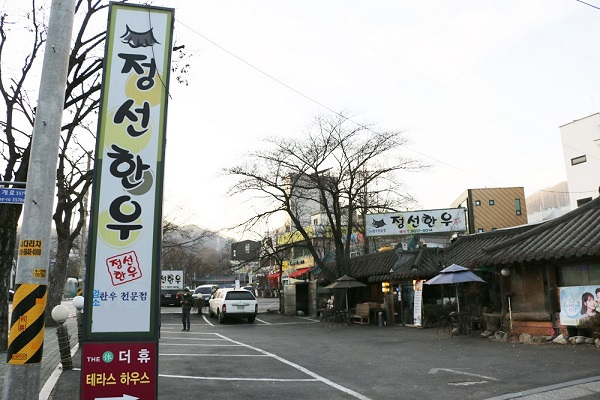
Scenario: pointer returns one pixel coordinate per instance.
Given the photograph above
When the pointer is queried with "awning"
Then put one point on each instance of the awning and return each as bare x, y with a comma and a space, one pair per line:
299, 272
273, 279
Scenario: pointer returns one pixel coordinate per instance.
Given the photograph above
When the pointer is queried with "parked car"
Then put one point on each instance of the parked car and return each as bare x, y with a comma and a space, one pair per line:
170, 297
233, 303
250, 289
202, 294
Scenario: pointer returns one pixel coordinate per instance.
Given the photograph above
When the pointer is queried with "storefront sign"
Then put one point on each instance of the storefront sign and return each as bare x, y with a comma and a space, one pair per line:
171, 280
122, 299
119, 370
416, 222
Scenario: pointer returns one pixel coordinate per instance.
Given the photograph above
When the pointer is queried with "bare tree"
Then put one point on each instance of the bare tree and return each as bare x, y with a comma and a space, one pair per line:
16, 139
330, 171
77, 136
74, 174
185, 248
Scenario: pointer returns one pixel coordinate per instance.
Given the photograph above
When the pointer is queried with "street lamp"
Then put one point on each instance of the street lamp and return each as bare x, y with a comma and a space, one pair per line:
60, 314
78, 302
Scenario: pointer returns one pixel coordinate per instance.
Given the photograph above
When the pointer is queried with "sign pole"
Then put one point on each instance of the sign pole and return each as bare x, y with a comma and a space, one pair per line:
26, 335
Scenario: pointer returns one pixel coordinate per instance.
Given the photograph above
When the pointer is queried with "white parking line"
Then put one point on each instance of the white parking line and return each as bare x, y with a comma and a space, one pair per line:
213, 355
316, 376
200, 344
261, 353
218, 378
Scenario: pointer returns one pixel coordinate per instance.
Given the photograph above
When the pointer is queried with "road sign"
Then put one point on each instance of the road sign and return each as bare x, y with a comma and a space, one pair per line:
119, 370
12, 196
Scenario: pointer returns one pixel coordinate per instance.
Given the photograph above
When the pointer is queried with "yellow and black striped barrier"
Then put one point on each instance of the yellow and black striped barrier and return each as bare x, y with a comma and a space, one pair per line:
79, 292
26, 335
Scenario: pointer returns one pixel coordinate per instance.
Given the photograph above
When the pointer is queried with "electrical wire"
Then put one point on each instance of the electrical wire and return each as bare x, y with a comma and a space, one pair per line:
362, 126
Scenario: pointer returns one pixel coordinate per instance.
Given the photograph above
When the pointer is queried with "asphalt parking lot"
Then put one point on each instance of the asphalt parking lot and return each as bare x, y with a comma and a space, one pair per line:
299, 357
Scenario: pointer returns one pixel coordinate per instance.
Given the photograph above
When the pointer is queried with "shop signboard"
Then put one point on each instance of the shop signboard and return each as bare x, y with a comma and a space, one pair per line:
416, 222
122, 281
119, 370
171, 280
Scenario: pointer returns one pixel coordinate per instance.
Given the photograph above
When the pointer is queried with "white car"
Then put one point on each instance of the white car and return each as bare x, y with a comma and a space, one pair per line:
233, 303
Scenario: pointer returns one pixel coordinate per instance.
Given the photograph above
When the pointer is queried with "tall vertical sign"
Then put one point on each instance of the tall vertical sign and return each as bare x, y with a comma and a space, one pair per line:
122, 308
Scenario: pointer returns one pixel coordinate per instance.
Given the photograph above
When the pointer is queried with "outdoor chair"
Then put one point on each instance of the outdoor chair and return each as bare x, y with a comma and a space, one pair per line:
444, 324
362, 315
477, 319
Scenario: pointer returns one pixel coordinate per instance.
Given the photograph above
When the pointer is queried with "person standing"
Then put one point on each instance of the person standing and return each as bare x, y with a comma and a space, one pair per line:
187, 302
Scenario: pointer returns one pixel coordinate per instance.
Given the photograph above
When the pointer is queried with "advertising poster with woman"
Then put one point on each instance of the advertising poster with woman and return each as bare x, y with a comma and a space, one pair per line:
578, 303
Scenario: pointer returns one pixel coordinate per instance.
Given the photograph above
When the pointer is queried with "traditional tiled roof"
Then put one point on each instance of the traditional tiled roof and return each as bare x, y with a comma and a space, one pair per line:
423, 263
575, 234
465, 250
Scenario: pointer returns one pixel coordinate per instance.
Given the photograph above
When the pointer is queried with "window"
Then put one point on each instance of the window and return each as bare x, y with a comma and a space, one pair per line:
578, 275
477, 202
578, 160
518, 206
491, 202
239, 295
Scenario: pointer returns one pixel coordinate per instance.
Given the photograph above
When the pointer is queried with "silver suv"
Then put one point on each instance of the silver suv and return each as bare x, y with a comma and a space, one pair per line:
233, 303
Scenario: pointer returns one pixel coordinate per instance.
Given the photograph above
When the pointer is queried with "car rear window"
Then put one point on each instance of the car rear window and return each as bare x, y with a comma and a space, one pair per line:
245, 295
204, 290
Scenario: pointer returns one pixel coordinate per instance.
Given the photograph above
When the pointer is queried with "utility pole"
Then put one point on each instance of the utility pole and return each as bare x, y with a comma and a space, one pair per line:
26, 334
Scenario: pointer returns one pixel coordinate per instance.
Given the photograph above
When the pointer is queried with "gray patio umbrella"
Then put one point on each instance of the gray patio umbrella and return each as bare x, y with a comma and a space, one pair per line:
454, 274
345, 282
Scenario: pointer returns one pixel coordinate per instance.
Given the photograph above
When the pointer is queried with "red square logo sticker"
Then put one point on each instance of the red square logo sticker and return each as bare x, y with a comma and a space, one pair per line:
124, 268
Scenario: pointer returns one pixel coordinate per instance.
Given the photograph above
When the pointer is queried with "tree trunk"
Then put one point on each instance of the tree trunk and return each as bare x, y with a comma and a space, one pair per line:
58, 275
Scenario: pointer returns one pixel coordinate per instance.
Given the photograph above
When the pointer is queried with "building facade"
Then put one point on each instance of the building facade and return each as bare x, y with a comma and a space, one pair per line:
489, 209
581, 149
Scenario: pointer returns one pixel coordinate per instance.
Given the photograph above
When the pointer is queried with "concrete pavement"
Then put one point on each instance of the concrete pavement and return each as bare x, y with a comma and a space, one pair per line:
64, 385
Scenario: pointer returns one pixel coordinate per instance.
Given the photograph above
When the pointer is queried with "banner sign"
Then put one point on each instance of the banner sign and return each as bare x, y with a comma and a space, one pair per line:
119, 370
122, 287
578, 303
416, 222
418, 303
171, 280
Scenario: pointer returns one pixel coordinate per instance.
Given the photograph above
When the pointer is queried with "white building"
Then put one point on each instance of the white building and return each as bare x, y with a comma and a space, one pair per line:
581, 149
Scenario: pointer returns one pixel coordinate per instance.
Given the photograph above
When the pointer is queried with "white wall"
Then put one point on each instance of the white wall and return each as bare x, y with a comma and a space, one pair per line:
582, 138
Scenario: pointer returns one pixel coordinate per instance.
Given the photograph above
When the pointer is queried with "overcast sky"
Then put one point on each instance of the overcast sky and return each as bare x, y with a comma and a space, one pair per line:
480, 88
